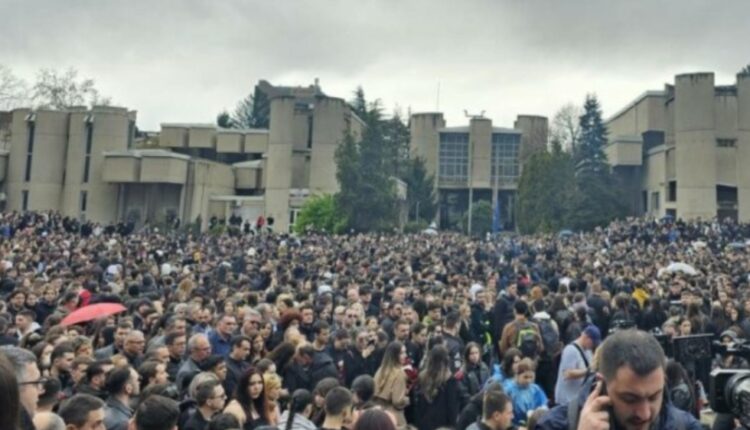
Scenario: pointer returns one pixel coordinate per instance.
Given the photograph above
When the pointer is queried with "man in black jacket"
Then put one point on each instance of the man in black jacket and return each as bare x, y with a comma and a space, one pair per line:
359, 358
502, 313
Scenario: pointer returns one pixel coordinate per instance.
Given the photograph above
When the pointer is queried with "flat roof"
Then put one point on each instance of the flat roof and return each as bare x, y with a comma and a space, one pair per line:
187, 125
650, 93
140, 153
466, 128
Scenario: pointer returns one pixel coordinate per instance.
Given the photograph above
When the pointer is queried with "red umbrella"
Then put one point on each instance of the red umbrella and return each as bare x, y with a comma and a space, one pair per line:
92, 312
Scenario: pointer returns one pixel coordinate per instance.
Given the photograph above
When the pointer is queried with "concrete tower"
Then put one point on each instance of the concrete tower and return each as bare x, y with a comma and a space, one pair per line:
695, 141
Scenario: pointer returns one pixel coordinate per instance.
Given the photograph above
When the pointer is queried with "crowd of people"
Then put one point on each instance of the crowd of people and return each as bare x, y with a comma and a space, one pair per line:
364, 331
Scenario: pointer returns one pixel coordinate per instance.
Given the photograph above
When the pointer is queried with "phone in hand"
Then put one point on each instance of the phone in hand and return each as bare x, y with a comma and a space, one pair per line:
610, 411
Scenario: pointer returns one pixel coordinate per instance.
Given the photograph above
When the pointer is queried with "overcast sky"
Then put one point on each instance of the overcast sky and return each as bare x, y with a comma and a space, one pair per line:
187, 60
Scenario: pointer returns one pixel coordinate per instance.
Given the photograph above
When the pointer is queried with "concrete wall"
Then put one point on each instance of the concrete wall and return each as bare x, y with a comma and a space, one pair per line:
535, 130
202, 137
256, 143
158, 169
425, 138
695, 145
47, 161
743, 147
205, 180
480, 152
110, 132
279, 161
229, 142
173, 137
329, 128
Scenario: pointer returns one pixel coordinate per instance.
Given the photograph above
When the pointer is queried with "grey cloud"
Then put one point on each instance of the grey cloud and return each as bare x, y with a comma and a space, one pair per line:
185, 60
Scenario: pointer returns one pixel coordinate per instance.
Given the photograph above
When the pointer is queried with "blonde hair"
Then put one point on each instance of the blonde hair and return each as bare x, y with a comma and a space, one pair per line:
271, 381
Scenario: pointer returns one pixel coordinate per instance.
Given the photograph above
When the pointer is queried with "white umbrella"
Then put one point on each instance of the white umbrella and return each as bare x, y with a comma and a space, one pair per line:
682, 267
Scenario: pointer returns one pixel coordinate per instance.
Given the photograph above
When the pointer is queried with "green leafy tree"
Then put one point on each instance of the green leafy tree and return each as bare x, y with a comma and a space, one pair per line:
481, 218
745, 71
320, 213
598, 199
546, 191
420, 191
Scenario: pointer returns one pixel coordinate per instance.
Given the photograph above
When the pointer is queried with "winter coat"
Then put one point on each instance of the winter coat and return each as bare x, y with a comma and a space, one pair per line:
442, 411
392, 394
471, 379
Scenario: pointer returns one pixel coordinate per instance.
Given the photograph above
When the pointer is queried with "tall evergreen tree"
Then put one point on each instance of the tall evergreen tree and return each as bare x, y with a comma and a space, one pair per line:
598, 200
421, 191
254, 111
367, 195
224, 120
396, 138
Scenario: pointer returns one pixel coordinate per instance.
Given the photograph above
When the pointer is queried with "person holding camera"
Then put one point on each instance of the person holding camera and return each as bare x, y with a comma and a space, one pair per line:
630, 391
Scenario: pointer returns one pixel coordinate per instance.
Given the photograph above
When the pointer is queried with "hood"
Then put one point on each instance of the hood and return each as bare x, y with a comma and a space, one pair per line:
543, 315
321, 359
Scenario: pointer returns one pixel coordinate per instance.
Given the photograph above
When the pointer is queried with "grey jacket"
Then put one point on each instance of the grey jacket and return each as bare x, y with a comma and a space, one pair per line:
116, 415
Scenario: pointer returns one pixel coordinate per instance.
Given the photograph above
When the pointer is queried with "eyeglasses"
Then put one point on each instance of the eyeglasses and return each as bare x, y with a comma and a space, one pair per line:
39, 382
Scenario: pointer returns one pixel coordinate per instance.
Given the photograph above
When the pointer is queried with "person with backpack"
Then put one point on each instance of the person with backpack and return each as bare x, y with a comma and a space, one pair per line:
575, 364
521, 333
545, 372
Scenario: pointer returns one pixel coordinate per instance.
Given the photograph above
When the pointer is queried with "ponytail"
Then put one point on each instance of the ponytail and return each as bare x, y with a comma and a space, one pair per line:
300, 400
292, 413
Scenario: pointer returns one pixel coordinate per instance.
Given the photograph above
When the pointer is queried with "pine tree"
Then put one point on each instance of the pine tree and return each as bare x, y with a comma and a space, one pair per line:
254, 111
421, 191
598, 199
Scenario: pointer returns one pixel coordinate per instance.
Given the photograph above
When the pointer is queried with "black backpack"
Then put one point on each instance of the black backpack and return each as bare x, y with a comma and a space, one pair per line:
550, 337
526, 340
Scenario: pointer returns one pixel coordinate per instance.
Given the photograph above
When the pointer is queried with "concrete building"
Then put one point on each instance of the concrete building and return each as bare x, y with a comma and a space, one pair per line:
680, 151
85, 163
477, 159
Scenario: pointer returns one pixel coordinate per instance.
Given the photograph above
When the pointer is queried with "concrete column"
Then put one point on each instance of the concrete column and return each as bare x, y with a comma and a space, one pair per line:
695, 146
279, 162
534, 131
480, 137
328, 131
425, 138
743, 147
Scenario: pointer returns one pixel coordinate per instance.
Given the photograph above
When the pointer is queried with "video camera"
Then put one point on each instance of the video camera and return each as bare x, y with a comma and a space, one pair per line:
729, 393
740, 348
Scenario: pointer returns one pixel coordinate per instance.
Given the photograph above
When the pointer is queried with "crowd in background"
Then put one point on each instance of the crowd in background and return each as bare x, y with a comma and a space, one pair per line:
262, 330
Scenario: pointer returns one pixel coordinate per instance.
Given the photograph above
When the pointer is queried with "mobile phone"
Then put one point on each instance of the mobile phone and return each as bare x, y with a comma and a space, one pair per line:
610, 411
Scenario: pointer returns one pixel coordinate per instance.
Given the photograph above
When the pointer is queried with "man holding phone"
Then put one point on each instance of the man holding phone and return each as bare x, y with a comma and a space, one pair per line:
629, 393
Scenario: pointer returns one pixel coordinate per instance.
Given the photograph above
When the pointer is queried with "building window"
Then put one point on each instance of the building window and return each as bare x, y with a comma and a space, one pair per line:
30, 128
131, 133
309, 131
672, 195
504, 165
25, 200
293, 214
726, 143
89, 142
454, 157
655, 201
84, 201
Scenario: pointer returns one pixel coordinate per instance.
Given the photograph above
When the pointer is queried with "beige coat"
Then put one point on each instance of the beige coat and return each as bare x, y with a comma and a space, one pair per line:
391, 393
